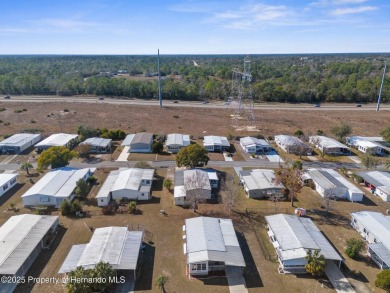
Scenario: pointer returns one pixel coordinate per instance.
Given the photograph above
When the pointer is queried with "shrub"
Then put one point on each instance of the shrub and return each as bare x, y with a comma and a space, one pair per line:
175, 116
65, 208
1, 121
270, 137
33, 121
132, 207
297, 165
66, 110
383, 280
168, 183
358, 178
24, 110
91, 179
7, 123
354, 247
157, 147
2, 109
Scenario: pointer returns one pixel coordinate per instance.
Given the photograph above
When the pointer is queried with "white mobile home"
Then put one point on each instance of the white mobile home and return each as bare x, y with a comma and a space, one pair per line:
216, 143
293, 237
260, 183
254, 145
19, 142
331, 184
55, 187
58, 139
114, 245
371, 145
292, 145
194, 183
133, 183
176, 141
375, 229
139, 142
7, 181
22, 238
378, 182
98, 145
329, 145
211, 245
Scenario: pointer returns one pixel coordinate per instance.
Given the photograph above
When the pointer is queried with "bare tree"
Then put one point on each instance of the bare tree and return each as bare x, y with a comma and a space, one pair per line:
231, 192
316, 141
291, 178
196, 188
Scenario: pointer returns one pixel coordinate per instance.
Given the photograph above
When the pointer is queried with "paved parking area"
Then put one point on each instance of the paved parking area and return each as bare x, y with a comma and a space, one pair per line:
336, 277
124, 154
235, 280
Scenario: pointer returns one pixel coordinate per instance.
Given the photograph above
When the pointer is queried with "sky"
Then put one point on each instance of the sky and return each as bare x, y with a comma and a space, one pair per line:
194, 27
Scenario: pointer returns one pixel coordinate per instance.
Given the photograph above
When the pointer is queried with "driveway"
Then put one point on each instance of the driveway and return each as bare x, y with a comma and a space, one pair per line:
336, 277
235, 280
124, 154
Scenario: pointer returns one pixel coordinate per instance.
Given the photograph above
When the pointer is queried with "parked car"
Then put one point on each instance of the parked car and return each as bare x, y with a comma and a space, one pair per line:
7, 97
205, 102
358, 105
175, 102
317, 105
101, 98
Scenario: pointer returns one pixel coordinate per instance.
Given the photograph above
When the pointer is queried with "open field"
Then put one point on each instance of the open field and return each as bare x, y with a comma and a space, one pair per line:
194, 121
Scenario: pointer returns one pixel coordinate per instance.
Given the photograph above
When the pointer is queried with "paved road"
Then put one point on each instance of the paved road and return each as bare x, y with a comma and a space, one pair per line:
212, 164
274, 106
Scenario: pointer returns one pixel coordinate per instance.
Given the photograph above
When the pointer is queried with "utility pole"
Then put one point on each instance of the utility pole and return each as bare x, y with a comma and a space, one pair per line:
380, 90
159, 78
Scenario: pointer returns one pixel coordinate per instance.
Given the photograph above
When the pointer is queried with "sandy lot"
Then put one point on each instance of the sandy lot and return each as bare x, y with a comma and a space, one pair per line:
194, 121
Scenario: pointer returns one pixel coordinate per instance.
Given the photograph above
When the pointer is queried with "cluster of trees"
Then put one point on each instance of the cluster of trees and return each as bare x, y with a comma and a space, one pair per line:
85, 131
276, 78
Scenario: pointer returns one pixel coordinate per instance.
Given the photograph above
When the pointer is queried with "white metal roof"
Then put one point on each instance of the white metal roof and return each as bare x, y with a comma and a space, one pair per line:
259, 179
379, 179
178, 139
4, 178
327, 142
114, 245
125, 179
97, 141
212, 239
186, 180
58, 139
290, 140
18, 238
377, 225
329, 178
216, 140
367, 141
58, 183
296, 235
19, 139
253, 141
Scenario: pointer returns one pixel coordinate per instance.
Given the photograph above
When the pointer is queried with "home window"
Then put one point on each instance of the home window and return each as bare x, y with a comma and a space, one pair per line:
5, 187
199, 266
147, 181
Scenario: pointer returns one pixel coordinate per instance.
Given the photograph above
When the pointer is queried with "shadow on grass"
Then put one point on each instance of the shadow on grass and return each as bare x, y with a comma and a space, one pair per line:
251, 274
6, 196
145, 273
356, 275
40, 263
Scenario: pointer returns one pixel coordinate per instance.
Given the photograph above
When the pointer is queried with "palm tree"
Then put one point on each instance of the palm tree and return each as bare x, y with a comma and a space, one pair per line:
73, 286
315, 263
161, 281
102, 270
26, 167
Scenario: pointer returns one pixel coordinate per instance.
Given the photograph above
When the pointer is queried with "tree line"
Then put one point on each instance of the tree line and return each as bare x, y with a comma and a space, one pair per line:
275, 78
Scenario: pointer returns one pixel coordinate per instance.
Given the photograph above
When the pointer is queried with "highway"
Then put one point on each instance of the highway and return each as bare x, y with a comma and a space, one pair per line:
192, 104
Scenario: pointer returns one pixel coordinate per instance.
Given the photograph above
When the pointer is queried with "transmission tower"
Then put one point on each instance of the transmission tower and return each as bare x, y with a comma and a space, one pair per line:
241, 100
